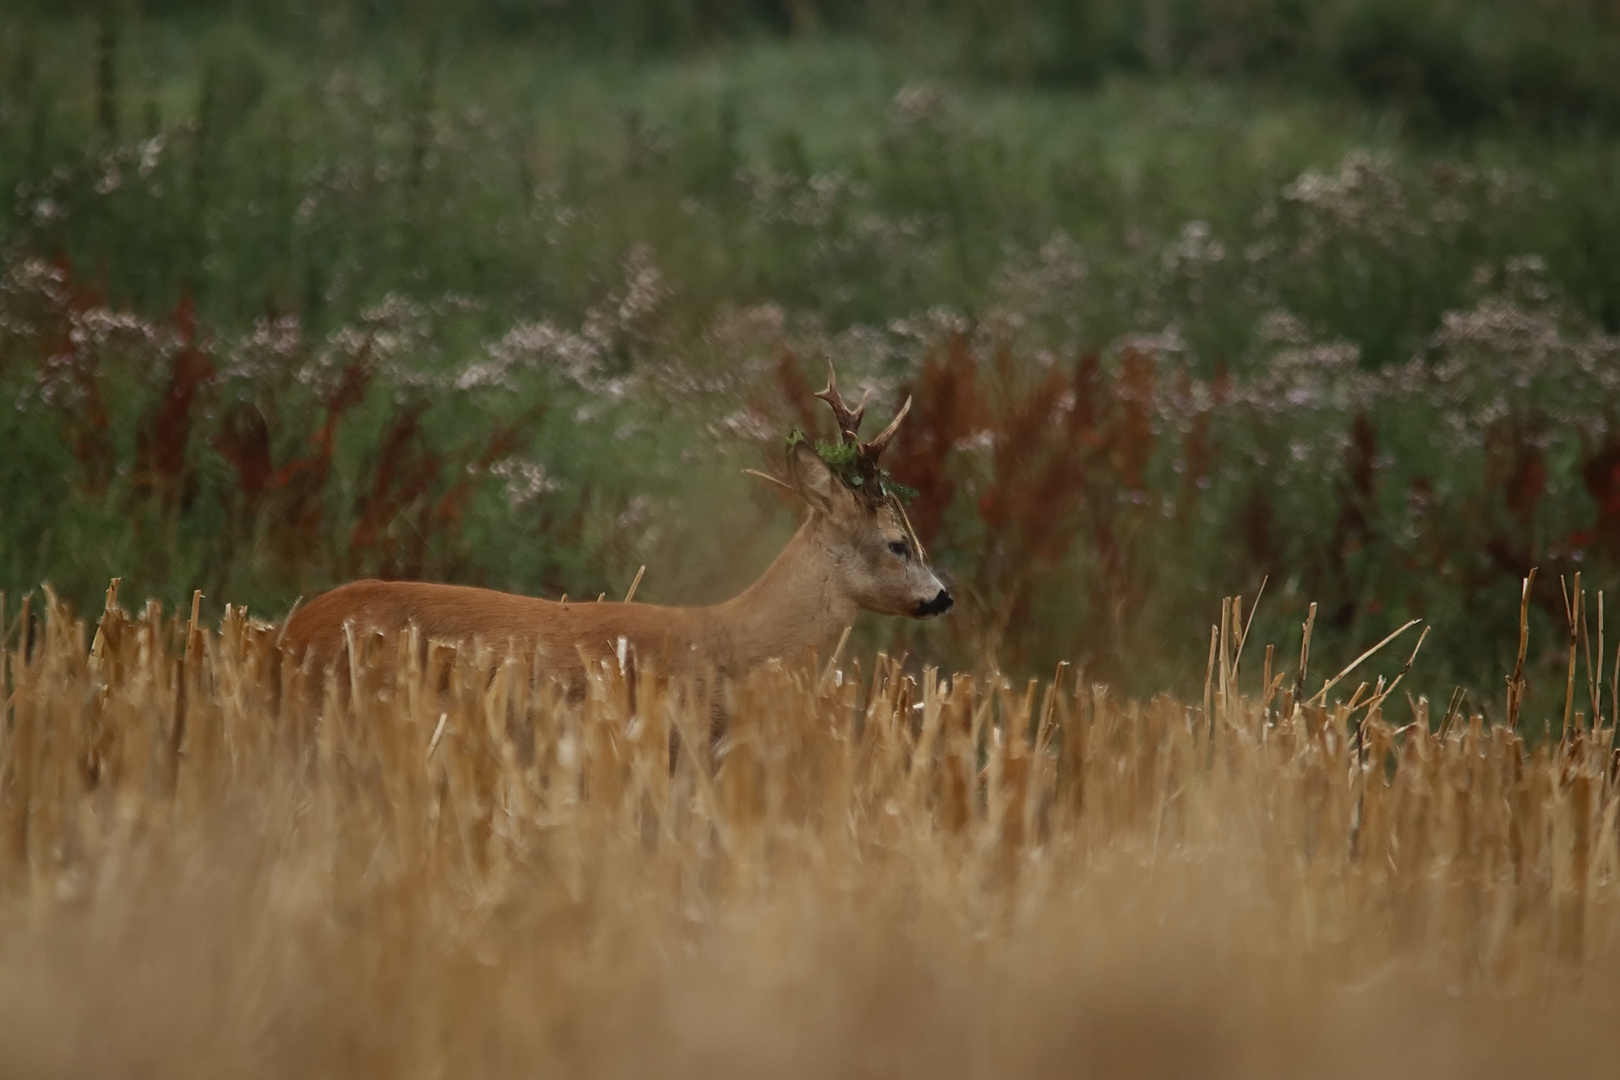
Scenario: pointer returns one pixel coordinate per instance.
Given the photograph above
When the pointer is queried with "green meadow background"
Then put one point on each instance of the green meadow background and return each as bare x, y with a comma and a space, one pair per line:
1190, 295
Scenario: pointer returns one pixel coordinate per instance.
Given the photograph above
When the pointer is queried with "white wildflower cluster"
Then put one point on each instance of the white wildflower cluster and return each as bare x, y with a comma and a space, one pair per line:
30, 290
1311, 377
272, 349
1506, 360
524, 481
1180, 400
747, 424
1518, 360
102, 171
336, 181
346, 91
1167, 341
936, 324
744, 345
746, 332
394, 338
637, 523
1298, 396
1194, 251
66, 374
581, 357
383, 152
100, 328
814, 202
919, 105
532, 346
1365, 198
624, 319
1042, 288
150, 152
644, 287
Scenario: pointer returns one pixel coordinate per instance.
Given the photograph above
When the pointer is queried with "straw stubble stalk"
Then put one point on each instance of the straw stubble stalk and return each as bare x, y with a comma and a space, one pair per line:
1304, 659
1594, 675
1209, 675
1574, 614
1321, 695
1515, 694
1237, 658
1614, 694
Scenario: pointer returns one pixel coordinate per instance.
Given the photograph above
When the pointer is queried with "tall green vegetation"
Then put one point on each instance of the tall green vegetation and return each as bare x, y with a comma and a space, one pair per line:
1189, 295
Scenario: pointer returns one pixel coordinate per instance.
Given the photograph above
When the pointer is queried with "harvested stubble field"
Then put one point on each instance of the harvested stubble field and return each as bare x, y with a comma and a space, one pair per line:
448, 873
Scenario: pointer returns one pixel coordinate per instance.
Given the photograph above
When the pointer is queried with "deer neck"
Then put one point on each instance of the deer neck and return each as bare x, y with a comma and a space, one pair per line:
797, 604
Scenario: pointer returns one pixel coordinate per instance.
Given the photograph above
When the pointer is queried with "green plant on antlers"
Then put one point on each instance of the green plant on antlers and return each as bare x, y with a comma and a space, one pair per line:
844, 459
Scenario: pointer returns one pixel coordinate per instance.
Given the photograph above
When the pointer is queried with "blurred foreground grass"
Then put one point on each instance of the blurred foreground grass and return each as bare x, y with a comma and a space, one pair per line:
870, 874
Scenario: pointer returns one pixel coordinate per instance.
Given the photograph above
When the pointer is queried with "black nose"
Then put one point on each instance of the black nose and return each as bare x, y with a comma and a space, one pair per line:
939, 605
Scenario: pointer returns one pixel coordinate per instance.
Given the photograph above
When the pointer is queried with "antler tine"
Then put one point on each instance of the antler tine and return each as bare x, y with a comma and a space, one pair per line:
849, 420
881, 439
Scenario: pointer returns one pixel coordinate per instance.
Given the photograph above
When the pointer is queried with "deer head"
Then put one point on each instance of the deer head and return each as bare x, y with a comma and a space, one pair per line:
859, 521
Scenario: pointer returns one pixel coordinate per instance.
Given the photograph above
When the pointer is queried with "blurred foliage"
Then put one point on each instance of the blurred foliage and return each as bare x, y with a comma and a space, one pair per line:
1453, 65
1189, 294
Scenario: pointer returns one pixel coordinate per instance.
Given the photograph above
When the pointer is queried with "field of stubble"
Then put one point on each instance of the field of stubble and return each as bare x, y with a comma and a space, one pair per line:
449, 873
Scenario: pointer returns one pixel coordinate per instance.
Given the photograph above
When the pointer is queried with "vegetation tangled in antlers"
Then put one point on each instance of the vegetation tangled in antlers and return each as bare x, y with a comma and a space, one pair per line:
851, 460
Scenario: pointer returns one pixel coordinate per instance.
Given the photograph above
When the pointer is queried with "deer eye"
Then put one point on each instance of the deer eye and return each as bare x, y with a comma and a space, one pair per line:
901, 548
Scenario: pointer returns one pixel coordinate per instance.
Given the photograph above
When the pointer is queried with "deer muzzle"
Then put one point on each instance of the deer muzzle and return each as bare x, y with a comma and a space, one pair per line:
939, 605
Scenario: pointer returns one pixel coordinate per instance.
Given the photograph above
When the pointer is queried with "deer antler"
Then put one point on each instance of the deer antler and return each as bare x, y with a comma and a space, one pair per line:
872, 449
849, 420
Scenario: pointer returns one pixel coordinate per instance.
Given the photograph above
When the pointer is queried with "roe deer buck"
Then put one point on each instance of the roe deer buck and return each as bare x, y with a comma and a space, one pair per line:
854, 551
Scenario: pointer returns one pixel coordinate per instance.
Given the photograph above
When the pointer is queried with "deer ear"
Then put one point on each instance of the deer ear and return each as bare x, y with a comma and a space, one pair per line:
814, 482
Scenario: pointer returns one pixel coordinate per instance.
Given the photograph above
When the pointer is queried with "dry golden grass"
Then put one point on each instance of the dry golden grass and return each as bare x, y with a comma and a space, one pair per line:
878, 877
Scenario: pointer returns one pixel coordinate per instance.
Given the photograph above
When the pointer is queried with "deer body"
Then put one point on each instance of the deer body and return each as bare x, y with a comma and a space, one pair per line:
853, 552
794, 607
